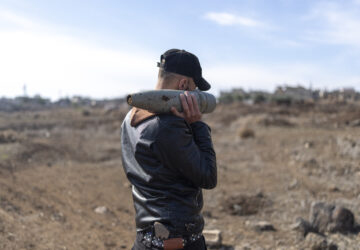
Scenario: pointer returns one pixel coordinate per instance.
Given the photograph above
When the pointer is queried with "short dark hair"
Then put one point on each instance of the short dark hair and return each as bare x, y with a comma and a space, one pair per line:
167, 76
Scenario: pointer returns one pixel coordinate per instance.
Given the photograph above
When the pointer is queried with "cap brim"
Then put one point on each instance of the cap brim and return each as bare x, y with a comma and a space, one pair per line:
202, 84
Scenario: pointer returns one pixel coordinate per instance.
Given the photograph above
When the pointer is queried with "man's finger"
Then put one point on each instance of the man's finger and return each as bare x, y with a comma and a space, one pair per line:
190, 103
177, 113
184, 105
195, 103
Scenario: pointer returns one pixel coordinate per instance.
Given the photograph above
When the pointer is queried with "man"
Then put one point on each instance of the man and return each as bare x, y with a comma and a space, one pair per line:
169, 158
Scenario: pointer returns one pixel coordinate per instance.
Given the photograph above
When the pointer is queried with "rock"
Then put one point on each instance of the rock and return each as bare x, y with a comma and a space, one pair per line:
261, 226
303, 226
293, 184
101, 210
109, 244
343, 220
247, 246
334, 188
349, 147
244, 205
312, 163
244, 246
47, 134
213, 237
275, 121
11, 237
317, 242
207, 214
320, 216
355, 123
308, 144
58, 216
345, 241
330, 218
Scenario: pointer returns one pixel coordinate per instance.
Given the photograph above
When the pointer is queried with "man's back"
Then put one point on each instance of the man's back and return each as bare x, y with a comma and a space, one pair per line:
168, 161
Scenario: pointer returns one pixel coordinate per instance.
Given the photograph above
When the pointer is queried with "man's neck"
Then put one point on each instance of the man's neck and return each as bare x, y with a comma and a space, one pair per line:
161, 85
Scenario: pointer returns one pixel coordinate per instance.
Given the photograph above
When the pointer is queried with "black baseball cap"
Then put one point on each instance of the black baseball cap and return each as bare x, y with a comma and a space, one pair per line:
184, 63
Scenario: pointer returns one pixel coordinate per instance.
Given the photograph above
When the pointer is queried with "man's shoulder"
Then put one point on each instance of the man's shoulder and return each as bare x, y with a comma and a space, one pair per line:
137, 117
170, 118
164, 124
170, 121
157, 123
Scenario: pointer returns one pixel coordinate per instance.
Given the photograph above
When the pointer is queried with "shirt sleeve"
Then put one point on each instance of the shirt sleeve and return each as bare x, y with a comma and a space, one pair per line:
189, 149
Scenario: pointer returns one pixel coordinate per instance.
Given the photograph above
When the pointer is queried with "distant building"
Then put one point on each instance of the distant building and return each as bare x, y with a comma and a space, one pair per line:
343, 94
234, 95
297, 94
347, 94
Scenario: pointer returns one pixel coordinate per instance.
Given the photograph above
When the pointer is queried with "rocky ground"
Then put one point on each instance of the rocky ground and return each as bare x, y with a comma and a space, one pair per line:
62, 185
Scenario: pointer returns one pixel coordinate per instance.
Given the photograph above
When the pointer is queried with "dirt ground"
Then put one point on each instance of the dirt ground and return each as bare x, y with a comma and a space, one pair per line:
62, 185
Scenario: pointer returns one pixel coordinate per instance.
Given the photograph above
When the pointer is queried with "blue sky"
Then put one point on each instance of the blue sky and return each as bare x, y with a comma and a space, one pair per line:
110, 48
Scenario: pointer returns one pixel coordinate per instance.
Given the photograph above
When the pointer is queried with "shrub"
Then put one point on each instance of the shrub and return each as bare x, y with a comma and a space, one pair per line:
246, 133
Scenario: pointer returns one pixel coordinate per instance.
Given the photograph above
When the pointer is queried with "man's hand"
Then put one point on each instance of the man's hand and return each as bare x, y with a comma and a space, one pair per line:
191, 112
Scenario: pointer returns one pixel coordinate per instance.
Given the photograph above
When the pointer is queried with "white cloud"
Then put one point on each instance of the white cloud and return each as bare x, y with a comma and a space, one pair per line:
338, 24
7, 16
52, 65
227, 19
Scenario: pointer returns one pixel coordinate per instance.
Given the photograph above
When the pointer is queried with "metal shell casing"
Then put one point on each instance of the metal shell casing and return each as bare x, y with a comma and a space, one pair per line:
161, 101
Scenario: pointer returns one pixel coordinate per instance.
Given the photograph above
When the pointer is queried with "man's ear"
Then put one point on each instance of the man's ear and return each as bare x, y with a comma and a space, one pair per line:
183, 84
